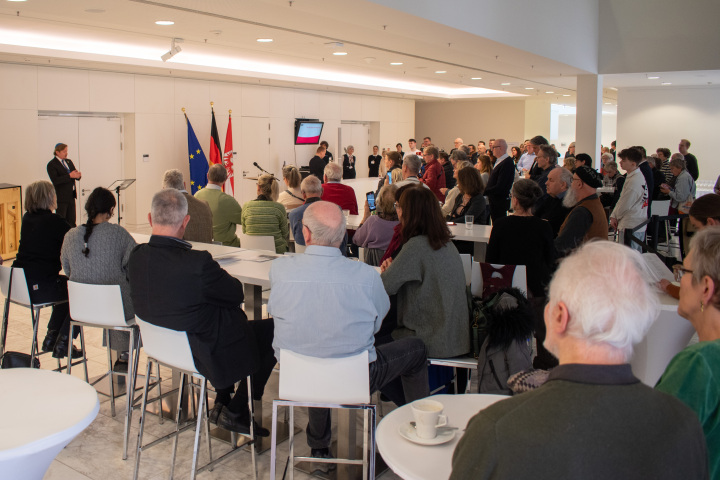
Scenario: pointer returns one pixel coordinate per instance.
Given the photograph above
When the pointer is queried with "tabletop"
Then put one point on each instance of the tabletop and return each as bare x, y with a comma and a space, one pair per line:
41, 407
417, 462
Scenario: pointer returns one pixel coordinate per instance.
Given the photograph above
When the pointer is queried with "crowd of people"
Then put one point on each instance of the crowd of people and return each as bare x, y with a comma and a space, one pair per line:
416, 306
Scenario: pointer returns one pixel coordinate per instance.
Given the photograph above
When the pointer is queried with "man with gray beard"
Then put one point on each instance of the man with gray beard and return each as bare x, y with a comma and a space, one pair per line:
587, 219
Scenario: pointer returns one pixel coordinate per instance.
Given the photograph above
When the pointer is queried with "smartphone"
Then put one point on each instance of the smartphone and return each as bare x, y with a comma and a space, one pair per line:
371, 200
389, 176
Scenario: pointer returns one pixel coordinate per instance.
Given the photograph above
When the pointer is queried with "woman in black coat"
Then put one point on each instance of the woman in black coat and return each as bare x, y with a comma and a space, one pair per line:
349, 164
41, 238
471, 200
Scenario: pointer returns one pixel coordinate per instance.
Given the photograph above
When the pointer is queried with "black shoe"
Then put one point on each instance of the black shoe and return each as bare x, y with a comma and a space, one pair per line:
322, 466
61, 348
215, 413
121, 364
50, 340
239, 423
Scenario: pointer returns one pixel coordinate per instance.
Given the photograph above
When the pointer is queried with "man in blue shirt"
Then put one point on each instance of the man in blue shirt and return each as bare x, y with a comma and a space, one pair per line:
327, 306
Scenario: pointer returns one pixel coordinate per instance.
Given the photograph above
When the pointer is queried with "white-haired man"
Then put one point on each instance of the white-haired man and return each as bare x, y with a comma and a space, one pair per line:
410, 171
327, 306
592, 418
551, 206
336, 192
199, 229
176, 287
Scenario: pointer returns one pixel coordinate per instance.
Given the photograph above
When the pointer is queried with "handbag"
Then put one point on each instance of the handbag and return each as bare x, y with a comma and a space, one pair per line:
14, 359
481, 316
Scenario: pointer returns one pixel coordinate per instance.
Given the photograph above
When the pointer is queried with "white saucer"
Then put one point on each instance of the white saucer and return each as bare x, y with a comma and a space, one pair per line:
408, 432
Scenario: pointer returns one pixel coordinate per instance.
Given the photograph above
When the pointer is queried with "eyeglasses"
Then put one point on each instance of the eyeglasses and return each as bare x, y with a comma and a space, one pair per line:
496, 146
397, 206
679, 271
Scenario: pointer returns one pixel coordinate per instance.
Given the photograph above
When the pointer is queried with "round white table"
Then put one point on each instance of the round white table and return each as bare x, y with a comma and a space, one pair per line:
41, 411
418, 462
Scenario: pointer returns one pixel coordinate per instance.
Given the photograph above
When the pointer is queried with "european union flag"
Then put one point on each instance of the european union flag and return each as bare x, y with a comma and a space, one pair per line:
198, 161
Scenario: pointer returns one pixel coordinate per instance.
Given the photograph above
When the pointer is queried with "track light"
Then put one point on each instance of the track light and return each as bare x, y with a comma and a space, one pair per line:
174, 49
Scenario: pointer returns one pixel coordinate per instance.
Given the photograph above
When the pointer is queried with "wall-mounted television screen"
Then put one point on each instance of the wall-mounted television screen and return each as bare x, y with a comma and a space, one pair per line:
307, 132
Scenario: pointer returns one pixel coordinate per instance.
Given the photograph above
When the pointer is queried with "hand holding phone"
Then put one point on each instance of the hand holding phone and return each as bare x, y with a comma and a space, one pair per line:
371, 200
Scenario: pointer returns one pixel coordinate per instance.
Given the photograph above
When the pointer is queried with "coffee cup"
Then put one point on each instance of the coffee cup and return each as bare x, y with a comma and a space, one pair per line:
428, 416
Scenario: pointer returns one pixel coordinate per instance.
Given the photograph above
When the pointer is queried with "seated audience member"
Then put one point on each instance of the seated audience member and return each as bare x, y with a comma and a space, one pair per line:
592, 408
396, 175
447, 167
292, 197
691, 376
348, 165
550, 207
41, 238
391, 161
98, 253
484, 166
308, 324
311, 190
452, 194
410, 171
318, 162
226, 211
632, 206
470, 200
396, 241
428, 278
583, 159
264, 216
683, 189
546, 159
704, 212
587, 219
569, 163
200, 228
176, 287
604, 159
376, 231
337, 193
434, 176
509, 243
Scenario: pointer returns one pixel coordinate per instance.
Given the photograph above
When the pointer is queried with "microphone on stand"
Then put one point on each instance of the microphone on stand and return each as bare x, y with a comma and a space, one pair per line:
265, 171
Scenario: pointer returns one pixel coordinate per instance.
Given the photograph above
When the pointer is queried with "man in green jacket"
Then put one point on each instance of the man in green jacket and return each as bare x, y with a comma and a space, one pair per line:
226, 211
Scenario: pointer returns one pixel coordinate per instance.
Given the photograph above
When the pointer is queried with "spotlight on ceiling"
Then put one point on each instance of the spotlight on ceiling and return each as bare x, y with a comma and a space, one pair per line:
174, 49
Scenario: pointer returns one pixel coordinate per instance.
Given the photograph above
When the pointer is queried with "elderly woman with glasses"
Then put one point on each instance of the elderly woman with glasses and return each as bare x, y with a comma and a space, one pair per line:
692, 376
684, 187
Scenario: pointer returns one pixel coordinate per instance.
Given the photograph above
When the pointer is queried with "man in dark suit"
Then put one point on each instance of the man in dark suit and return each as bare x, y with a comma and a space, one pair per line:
500, 181
63, 174
175, 287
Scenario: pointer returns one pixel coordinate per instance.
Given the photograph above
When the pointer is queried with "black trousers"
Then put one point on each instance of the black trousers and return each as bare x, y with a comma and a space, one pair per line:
67, 211
498, 208
52, 290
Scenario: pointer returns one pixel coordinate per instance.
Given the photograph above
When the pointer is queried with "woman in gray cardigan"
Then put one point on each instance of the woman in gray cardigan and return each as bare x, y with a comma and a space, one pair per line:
684, 188
98, 253
428, 278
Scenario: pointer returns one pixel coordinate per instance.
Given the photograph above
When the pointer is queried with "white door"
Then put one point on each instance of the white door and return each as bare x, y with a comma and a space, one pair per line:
94, 146
255, 141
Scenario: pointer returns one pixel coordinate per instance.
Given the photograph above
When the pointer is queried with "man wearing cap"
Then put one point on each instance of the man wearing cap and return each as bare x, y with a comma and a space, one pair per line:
587, 219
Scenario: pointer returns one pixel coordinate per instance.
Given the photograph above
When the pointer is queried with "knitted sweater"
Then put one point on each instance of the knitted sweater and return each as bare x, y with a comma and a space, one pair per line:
265, 217
106, 264
226, 214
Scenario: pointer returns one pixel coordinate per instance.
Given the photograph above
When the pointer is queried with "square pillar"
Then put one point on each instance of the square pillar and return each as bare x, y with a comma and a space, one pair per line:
588, 120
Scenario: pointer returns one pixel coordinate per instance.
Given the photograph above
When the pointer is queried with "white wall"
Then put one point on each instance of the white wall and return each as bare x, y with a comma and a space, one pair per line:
660, 117
155, 125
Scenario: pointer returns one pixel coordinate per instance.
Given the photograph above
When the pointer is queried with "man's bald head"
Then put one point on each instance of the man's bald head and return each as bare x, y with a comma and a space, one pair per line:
324, 224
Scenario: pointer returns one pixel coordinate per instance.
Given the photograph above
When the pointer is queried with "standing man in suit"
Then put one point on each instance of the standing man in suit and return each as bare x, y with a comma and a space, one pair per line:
63, 174
500, 181
173, 286
374, 163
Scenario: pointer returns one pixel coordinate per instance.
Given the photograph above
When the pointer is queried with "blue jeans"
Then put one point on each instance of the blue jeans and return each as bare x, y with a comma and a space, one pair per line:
405, 358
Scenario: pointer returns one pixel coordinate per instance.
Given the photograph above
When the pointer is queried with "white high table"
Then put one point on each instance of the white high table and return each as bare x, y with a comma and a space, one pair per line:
419, 462
241, 263
41, 411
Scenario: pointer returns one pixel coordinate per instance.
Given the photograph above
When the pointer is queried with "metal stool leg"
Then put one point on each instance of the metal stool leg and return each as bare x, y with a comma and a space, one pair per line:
111, 374
201, 415
160, 400
365, 444
251, 408
291, 455
129, 389
273, 441
207, 431
138, 449
373, 427
35, 314
181, 392
3, 330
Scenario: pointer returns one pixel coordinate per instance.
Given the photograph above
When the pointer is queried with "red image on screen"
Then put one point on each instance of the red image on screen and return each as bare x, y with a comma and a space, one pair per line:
308, 133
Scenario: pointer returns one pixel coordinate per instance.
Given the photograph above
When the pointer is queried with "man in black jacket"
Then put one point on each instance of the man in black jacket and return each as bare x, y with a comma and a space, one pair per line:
63, 174
175, 287
500, 181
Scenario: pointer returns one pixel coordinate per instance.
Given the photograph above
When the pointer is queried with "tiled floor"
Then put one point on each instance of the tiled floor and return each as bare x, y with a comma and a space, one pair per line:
97, 452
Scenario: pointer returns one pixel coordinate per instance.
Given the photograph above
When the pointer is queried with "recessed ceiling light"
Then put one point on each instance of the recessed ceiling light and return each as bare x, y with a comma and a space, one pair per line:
17, 0
505, 84
549, 92
164, 22
653, 78
264, 40
440, 71
476, 78
608, 103
666, 83
339, 53
396, 63
529, 88
566, 95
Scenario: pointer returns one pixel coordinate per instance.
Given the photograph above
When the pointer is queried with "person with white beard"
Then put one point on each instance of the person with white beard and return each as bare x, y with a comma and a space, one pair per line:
587, 219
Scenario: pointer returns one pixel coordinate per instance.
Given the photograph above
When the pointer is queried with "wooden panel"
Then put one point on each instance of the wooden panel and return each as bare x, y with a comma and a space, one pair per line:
10, 219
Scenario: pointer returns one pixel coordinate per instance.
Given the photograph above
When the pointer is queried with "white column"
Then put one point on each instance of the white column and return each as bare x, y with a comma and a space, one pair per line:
588, 121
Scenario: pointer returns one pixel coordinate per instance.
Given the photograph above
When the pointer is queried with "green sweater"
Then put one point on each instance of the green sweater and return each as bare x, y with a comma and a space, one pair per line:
226, 213
265, 217
693, 376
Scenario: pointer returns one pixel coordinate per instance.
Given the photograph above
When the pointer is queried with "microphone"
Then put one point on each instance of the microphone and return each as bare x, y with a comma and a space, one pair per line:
265, 171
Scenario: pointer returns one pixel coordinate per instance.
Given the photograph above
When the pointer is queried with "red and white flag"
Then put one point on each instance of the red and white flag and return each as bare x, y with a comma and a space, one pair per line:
228, 160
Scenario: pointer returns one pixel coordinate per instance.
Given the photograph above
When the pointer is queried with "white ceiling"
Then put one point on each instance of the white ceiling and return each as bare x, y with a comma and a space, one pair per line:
219, 41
